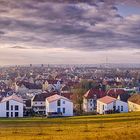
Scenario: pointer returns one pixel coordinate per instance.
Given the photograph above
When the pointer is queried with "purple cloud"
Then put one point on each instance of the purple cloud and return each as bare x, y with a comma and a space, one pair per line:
90, 25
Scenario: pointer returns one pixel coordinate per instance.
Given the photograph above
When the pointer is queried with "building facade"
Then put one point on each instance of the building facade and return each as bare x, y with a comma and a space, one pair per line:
109, 104
60, 105
11, 106
134, 102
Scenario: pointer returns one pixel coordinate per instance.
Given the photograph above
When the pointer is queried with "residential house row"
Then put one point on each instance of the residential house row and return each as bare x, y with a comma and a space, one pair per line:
15, 106
56, 104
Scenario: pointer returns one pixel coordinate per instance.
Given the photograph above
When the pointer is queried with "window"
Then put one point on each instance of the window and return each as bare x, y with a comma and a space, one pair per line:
94, 101
58, 103
7, 105
16, 114
103, 107
58, 110
16, 107
64, 110
11, 107
118, 108
11, 114
121, 108
7, 114
63, 102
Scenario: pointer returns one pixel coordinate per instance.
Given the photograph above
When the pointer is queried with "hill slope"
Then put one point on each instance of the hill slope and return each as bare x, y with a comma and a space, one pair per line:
106, 127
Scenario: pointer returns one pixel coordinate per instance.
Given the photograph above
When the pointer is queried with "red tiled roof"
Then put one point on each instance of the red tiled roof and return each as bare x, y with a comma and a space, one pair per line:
135, 98
12, 97
67, 95
56, 97
90, 94
115, 92
107, 99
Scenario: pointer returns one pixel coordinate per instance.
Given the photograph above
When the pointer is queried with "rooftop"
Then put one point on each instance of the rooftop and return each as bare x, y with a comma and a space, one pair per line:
135, 98
107, 99
56, 97
12, 97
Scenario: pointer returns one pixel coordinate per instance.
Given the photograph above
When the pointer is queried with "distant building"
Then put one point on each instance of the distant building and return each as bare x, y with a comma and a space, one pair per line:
59, 105
52, 85
109, 104
118, 93
134, 102
11, 106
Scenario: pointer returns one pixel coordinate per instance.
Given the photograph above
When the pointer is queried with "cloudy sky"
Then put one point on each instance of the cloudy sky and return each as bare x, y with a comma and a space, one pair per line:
69, 32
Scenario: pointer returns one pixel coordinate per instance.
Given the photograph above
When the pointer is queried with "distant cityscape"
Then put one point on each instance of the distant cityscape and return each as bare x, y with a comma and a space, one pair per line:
102, 65
72, 90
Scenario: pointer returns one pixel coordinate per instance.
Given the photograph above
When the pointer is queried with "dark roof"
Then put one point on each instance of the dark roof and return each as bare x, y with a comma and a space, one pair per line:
54, 81
67, 95
29, 85
135, 98
124, 97
115, 92
28, 103
43, 96
118, 92
90, 94
66, 88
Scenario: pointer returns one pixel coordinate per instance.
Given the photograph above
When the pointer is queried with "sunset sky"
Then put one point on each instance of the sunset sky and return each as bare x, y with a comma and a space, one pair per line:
57, 32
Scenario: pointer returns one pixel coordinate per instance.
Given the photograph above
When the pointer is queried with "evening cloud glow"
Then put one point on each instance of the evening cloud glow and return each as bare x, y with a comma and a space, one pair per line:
34, 31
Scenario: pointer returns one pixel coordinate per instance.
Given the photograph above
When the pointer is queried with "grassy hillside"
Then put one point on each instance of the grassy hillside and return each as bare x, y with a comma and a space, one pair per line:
101, 127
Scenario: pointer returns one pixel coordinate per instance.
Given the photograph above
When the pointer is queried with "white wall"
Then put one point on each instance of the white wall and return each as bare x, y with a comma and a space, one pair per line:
121, 103
52, 107
102, 110
89, 105
38, 103
110, 106
13, 103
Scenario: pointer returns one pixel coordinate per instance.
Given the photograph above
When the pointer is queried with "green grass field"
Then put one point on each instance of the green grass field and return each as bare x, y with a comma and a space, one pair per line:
100, 127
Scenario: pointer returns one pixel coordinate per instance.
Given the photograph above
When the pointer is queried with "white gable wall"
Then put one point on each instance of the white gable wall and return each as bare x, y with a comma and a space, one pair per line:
102, 107
52, 107
11, 103
122, 106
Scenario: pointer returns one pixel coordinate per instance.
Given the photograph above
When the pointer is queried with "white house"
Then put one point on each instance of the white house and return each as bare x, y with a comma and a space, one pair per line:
109, 104
59, 104
11, 106
90, 99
